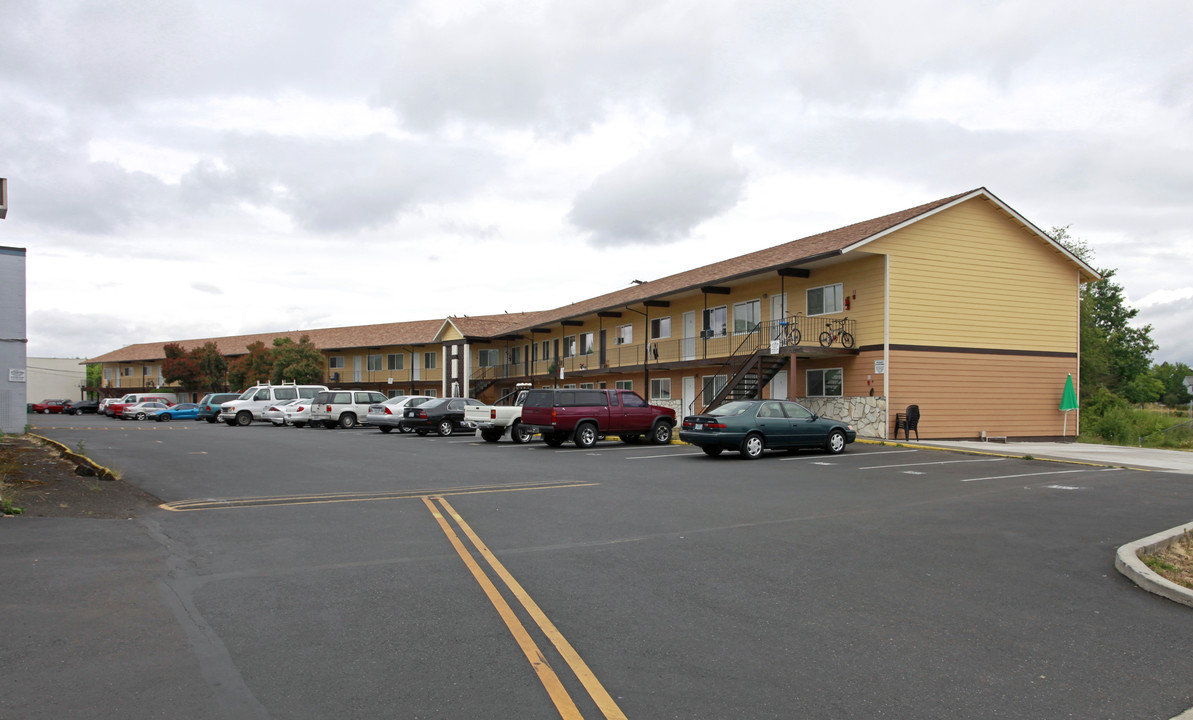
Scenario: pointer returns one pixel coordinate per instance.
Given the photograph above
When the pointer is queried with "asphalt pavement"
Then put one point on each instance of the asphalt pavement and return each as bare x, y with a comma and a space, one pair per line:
326, 573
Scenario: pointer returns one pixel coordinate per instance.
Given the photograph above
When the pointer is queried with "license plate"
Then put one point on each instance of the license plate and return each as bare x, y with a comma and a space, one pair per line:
699, 426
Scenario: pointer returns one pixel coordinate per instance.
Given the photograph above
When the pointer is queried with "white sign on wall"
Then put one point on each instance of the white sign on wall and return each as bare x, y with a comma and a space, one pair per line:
16, 375
879, 367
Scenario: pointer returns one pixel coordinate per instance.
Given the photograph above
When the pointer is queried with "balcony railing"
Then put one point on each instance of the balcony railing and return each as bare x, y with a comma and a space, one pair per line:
706, 346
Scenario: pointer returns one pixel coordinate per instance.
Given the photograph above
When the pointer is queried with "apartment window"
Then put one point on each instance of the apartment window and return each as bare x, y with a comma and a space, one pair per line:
336, 362
660, 388
716, 321
395, 361
713, 384
430, 360
107, 373
624, 384
374, 363
569, 346
145, 370
546, 354
516, 355
587, 386
430, 393
660, 328
126, 371
826, 383
747, 316
625, 335
826, 300
395, 393
489, 358
586, 344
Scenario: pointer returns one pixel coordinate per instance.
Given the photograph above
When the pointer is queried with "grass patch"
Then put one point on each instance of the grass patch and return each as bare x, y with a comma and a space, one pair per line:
1175, 563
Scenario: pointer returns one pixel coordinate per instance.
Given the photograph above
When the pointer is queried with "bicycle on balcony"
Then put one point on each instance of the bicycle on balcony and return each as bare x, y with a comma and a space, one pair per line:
834, 331
788, 333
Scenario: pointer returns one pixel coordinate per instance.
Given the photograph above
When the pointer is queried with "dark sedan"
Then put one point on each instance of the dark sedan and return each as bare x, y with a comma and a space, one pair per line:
751, 426
443, 415
78, 407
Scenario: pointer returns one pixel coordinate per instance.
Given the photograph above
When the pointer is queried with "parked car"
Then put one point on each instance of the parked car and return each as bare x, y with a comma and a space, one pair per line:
343, 408
181, 411
250, 404
505, 414
209, 406
388, 415
141, 410
298, 413
276, 413
751, 426
104, 403
79, 407
443, 415
585, 416
47, 407
116, 409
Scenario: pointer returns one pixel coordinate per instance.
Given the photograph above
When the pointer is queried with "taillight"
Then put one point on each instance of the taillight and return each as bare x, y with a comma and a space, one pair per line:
493, 414
301, 408
329, 408
554, 416
387, 412
421, 413
715, 426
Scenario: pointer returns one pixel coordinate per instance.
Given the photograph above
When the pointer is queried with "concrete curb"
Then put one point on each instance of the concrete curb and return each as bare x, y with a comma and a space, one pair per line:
80, 461
1127, 562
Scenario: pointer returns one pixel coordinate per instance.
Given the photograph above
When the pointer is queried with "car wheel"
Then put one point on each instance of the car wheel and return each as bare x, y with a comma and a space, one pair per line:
835, 443
164, 417
243, 418
347, 420
230, 423
445, 428
519, 433
422, 433
385, 428
492, 435
711, 451
631, 439
555, 439
211, 420
586, 435
403, 429
752, 446
139, 416
661, 433
300, 424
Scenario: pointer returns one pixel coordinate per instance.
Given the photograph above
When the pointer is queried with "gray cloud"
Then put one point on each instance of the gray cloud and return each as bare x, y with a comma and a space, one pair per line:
1170, 330
659, 196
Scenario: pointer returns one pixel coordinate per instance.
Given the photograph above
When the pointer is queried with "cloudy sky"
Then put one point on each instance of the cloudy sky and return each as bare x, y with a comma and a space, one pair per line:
195, 169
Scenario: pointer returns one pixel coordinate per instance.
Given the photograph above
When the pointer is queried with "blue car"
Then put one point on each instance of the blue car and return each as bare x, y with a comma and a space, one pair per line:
751, 426
181, 411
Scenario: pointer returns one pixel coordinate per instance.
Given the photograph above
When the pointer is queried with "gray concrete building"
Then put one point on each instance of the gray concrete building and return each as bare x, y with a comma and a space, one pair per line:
13, 371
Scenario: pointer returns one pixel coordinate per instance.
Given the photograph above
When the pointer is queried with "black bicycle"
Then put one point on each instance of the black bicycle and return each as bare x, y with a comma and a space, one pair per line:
834, 331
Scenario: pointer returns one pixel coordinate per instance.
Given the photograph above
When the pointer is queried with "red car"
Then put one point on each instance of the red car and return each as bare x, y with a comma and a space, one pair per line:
50, 406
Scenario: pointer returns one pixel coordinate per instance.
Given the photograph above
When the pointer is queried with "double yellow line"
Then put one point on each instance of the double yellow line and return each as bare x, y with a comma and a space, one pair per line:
441, 510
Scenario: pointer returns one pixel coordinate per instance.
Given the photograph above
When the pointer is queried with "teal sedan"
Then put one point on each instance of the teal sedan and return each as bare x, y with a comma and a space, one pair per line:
752, 426
181, 411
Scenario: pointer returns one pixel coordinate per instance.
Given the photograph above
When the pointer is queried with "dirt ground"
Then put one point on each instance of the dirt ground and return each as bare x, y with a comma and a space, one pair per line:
1175, 563
36, 478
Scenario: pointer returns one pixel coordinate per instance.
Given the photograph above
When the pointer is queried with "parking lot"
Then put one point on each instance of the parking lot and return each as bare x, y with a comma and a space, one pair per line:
310, 573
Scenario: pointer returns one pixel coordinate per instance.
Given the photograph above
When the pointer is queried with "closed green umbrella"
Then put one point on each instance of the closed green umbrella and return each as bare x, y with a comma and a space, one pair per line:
1068, 401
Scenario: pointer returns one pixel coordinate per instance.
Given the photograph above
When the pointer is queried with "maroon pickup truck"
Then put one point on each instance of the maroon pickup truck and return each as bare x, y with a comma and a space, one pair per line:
585, 416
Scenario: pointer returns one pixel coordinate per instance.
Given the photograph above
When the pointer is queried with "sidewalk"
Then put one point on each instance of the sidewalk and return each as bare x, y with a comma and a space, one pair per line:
1112, 455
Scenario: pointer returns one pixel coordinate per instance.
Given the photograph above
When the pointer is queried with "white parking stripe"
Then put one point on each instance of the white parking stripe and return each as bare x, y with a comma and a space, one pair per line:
1007, 477
849, 455
942, 462
674, 454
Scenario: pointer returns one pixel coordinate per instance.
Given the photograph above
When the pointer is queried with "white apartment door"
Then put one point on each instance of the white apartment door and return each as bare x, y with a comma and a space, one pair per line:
356, 369
778, 311
778, 386
689, 335
688, 396
416, 361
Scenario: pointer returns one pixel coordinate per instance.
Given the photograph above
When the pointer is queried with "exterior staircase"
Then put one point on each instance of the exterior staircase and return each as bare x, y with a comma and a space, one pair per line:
753, 372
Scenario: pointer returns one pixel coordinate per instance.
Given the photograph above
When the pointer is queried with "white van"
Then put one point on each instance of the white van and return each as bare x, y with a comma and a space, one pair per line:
253, 402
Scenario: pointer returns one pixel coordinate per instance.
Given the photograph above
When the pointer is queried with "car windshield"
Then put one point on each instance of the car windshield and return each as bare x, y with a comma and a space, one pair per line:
731, 409
248, 394
434, 403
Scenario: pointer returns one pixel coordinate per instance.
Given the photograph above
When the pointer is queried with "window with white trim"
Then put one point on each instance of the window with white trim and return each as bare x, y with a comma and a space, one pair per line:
374, 363
586, 344
587, 386
660, 388
488, 358
747, 316
546, 353
430, 360
660, 328
396, 361
569, 346
716, 321
829, 382
624, 384
712, 385
826, 300
625, 335
335, 362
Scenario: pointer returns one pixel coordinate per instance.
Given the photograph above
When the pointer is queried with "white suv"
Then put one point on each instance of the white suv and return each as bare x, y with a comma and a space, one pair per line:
344, 408
252, 403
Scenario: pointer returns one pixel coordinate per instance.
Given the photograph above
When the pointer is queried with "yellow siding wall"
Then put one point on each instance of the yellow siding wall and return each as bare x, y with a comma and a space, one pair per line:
970, 277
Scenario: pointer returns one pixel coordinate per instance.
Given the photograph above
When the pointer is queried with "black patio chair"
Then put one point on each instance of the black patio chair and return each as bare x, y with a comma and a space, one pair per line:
908, 422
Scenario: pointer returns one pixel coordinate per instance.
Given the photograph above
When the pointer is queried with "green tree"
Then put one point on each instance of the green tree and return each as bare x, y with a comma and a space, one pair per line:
213, 367
1173, 376
299, 362
1144, 388
1113, 352
95, 375
252, 368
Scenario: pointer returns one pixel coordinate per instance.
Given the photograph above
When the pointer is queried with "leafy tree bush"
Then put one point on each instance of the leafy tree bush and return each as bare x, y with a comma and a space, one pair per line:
299, 362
